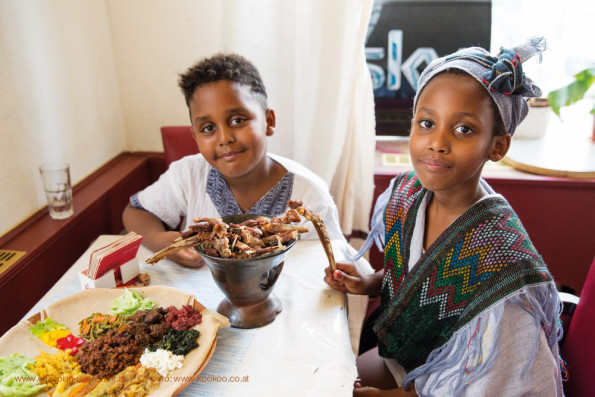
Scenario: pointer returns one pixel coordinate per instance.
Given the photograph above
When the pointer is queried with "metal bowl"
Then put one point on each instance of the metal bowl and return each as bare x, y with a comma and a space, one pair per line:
247, 283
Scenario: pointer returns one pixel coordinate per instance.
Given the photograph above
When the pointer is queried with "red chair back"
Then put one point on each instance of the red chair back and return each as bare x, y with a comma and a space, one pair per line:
177, 143
578, 349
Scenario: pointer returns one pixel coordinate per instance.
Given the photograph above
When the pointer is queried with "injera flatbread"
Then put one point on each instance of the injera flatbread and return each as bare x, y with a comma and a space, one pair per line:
70, 310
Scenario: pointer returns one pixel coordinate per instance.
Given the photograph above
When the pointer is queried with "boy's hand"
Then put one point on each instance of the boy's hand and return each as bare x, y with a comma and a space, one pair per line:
187, 257
346, 278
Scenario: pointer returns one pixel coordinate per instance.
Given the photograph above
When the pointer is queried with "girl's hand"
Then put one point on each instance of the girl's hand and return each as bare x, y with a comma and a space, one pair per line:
346, 278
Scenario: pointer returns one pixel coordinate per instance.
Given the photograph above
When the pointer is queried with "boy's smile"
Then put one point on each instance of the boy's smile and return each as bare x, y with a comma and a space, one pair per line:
230, 127
452, 134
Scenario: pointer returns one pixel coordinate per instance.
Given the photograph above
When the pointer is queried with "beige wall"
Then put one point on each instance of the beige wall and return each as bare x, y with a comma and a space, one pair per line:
152, 45
59, 97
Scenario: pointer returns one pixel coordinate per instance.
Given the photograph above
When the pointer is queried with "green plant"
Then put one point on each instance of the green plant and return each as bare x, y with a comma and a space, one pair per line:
573, 92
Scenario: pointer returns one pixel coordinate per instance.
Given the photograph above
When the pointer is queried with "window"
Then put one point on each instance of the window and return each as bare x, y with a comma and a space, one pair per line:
404, 36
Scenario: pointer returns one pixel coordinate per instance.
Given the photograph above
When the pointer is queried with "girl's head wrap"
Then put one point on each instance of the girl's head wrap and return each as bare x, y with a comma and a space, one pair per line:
502, 76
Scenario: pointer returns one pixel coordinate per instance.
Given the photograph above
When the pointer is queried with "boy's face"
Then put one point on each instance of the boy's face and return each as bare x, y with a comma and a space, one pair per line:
452, 134
230, 127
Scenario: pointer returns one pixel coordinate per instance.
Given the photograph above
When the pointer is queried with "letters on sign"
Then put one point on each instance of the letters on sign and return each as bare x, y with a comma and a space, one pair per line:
395, 67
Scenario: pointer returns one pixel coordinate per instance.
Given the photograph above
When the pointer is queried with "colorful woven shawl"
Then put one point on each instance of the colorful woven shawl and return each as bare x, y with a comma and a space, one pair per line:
482, 257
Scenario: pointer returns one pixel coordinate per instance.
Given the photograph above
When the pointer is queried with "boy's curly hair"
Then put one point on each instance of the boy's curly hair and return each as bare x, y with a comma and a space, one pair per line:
232, 67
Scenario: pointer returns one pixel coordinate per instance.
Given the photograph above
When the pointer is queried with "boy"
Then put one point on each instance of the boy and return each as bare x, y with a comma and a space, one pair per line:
233, 173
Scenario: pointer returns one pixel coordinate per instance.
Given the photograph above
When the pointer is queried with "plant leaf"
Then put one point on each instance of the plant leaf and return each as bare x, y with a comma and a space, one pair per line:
573, 92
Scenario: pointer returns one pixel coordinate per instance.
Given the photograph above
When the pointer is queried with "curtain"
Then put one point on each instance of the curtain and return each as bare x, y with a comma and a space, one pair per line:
334, 112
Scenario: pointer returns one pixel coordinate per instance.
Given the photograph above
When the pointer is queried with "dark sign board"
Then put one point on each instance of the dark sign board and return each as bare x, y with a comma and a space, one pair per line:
404, 36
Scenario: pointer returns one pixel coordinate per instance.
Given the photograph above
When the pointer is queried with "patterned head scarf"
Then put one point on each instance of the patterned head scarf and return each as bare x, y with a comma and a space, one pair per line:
501, 75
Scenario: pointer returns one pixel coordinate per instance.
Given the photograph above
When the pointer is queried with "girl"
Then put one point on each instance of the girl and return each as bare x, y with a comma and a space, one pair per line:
468, 306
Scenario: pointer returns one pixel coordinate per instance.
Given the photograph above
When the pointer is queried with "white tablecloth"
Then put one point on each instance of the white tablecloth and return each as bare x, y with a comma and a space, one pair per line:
306, 351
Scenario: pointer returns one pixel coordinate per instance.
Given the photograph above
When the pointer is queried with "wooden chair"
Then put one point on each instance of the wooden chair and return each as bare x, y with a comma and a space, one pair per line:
577, 348
177, 143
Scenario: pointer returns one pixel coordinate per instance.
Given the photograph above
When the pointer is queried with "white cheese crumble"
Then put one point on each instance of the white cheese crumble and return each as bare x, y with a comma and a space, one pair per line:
162, 360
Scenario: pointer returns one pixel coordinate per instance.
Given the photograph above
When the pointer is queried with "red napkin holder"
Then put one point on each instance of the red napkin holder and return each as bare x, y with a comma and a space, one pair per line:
114, 265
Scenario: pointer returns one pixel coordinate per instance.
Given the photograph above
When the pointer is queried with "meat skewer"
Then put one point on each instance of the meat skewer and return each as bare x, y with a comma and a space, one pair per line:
179, 245
320, 229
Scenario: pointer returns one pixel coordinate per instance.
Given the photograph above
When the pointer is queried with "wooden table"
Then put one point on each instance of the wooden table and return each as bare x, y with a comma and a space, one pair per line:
566, 150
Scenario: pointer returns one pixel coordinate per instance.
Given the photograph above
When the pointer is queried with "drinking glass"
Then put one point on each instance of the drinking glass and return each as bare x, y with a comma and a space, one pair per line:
58, 191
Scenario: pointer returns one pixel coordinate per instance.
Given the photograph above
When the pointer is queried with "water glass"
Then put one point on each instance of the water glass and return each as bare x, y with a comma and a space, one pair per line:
58, 190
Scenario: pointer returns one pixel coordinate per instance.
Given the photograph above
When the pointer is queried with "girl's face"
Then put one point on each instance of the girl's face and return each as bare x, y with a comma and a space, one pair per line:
452, 134
230, 127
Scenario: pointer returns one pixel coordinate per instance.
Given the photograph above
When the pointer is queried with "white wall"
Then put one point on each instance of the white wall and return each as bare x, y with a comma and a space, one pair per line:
59, 97
151, 49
